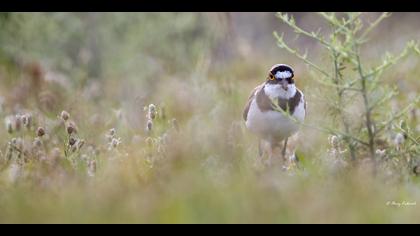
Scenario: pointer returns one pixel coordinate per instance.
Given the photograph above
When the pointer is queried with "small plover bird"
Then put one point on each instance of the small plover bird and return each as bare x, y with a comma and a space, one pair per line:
262, 118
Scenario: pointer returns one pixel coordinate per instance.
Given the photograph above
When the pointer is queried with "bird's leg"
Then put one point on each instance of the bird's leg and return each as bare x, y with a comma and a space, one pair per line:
260, 148
263, 153
292, 158
284, 149
270, 153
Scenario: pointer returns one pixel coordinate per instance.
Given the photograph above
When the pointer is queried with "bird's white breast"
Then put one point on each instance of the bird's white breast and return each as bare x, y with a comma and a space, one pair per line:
273, 125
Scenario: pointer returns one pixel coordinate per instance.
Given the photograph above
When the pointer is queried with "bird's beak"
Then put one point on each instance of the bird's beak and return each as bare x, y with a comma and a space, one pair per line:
284, 85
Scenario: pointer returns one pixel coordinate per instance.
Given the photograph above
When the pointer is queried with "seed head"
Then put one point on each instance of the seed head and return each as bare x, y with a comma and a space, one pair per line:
27, 121
9, 125
18, 122
149, 125
17, 143
65, 115
115, 142
40, 132
152, 112
152, 108
71, 128
72, 141
110, 135
14, 141
80, 143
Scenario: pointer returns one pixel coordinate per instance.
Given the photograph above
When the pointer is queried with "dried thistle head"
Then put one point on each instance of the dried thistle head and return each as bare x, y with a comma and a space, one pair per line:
74, 148
18, 122
110, 135
40, 132
27, 121
80, 143
65, 115
149, 126
9, 125
17, 143
71, 128
151, 114
152, 108
115, 142
72, 141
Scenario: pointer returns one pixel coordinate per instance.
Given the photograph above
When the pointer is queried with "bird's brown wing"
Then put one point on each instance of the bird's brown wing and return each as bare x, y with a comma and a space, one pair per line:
248, 104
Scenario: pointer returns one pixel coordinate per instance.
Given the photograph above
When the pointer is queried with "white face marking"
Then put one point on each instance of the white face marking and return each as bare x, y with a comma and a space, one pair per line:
283, 74
276, 91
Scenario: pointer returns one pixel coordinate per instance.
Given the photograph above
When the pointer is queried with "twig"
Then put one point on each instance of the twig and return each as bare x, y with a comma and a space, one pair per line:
317, 127
282, 44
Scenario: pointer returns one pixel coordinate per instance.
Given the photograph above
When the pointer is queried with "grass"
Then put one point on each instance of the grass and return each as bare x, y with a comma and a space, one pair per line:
196, 163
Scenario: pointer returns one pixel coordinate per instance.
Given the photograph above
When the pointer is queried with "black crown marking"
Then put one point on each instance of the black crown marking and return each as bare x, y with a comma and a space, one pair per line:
281, 68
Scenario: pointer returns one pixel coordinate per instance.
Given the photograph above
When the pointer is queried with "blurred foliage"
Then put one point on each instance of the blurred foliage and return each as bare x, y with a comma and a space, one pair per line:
356, 94
107, 44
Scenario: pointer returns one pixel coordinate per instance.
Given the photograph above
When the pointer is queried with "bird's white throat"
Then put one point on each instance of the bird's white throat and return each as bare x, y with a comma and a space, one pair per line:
276, 91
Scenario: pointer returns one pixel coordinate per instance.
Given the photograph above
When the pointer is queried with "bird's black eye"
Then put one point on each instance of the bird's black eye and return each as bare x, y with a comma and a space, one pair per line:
271, 77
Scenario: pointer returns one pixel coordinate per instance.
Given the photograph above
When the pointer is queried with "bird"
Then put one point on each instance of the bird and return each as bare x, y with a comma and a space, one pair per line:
262, 115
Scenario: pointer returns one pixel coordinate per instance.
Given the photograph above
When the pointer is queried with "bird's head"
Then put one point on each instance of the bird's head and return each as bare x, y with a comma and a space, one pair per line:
282, 75
280, 80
